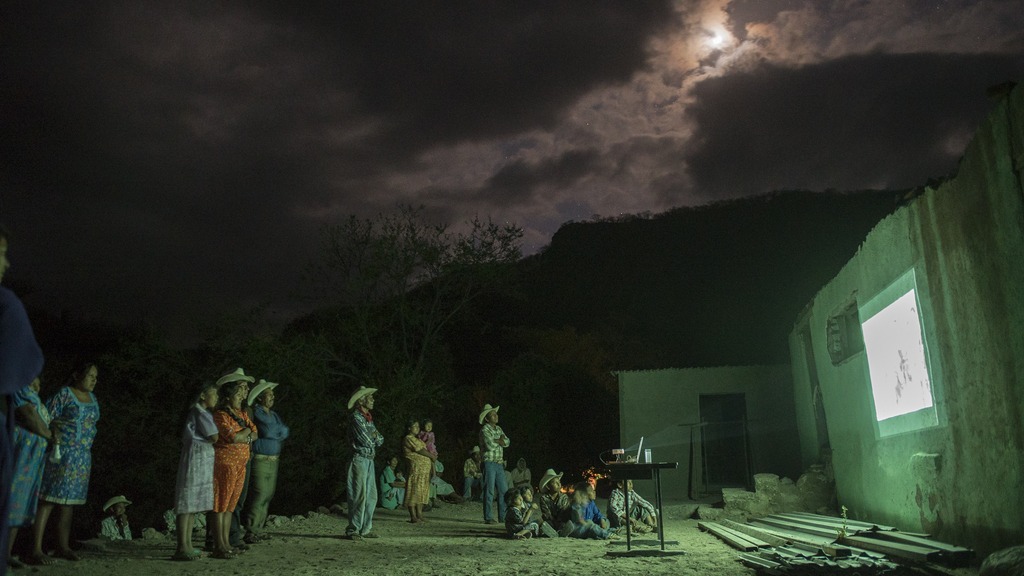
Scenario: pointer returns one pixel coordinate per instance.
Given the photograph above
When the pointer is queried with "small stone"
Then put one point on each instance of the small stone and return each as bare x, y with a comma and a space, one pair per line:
152, 534
1005, 562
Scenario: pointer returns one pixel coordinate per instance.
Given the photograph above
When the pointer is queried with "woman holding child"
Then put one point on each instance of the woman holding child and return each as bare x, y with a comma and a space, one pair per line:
417, 485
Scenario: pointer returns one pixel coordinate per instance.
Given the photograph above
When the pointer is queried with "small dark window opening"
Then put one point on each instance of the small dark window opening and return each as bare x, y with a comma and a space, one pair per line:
843, 334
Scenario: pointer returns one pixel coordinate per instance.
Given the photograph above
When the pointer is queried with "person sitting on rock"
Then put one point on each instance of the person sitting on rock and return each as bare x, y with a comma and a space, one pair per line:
115, 525
392, 485
642, 516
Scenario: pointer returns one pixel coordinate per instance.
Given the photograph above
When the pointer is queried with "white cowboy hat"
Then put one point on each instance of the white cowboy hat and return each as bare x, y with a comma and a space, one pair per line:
363, 391
548, 477
116, 500
259, 389
487, 408
475, 450
237, 376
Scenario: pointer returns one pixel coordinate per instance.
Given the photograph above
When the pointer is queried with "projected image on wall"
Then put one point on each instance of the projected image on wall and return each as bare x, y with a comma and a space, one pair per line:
896, 359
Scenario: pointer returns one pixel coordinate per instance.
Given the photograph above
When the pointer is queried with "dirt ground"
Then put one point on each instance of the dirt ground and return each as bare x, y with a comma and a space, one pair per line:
454, 540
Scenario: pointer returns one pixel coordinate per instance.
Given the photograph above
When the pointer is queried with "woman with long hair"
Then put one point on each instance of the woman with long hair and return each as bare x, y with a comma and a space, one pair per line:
236, 432
74, 413
193, 492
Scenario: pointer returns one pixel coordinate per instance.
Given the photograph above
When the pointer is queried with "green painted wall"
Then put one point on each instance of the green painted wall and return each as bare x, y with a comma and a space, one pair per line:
662, 404
960, 480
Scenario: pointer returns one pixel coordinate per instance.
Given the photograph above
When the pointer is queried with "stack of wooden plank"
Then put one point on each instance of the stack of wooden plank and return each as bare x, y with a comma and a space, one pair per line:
803, 543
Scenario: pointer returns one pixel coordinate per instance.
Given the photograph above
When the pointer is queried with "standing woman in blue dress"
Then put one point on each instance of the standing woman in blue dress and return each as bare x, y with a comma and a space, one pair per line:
74, 413
30, 440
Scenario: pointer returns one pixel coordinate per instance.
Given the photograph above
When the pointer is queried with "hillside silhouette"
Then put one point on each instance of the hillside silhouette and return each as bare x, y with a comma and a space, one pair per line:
719, 284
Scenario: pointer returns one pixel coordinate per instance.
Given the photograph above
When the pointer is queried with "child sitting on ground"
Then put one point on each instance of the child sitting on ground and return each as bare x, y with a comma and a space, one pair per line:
518, 516
587, 518
535, 513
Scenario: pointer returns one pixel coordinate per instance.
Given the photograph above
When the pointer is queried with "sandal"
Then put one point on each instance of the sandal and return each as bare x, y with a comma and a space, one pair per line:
222, 555
185, 556
68, 555
40, 560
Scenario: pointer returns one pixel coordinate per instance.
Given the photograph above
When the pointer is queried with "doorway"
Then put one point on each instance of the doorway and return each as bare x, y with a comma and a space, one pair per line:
725, 454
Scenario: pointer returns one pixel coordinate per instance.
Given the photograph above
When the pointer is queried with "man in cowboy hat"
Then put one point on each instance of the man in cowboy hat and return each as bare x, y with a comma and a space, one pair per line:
115, 525
555, 506
471, 473
492, 444
361, 487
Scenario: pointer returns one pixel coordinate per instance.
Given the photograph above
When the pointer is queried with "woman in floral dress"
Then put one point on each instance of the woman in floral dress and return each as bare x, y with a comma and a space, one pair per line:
417, 485
31, 437
74, 413
193, 492
235, 433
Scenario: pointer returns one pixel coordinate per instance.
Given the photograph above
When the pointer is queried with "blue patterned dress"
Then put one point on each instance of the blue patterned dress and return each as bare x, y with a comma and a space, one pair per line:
29, 452
67, 482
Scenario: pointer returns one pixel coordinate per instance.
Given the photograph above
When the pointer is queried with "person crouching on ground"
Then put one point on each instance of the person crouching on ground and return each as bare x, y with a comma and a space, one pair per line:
587, 518
115, 525
642, 516
392, 485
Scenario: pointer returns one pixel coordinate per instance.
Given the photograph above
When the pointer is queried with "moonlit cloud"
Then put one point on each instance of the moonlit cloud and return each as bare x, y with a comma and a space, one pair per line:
172, 161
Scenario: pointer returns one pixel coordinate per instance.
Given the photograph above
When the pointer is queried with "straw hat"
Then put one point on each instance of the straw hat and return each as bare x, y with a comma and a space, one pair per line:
548, 477
237, 376
116, 500
487, 408
259, 389
363, 391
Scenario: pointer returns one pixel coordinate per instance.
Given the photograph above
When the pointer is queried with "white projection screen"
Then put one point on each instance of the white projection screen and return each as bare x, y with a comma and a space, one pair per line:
897, 357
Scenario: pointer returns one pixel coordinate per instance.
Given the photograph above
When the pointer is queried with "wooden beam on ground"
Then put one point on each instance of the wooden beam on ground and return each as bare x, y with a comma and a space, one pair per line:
897, 549
733, 538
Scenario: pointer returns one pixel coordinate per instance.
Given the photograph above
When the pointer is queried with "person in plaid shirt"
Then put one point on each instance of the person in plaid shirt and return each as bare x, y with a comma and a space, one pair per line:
492, 444
361, 487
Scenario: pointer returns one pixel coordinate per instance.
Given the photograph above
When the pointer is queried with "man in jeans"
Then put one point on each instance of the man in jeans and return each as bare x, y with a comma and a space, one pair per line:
361, 486
492, 444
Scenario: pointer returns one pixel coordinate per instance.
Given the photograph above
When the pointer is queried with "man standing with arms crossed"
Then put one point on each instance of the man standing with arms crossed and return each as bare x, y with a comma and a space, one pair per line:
492, 443
361, 486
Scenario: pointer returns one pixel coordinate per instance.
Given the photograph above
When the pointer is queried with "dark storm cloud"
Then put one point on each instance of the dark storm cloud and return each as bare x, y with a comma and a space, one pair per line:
173, 160
861, 122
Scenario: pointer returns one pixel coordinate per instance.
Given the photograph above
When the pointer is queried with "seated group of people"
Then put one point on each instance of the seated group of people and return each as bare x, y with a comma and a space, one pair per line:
575, 515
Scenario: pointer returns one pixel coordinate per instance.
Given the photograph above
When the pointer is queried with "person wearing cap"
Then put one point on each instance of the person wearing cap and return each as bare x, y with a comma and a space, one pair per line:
493, 442
115, 525
361, 484
266, 451
471, 474
555, 506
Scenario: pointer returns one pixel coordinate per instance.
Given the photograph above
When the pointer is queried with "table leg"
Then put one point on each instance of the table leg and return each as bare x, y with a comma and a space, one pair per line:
660, 519
625, 490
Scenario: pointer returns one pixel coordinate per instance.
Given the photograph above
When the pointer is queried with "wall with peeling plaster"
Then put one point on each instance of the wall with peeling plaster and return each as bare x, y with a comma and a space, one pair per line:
961, 480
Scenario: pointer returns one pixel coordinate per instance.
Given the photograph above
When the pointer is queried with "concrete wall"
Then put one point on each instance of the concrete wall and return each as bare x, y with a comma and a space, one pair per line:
661, 405
959, 480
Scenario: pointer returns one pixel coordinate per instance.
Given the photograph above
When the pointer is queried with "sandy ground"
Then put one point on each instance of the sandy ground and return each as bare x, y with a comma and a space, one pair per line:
453, 541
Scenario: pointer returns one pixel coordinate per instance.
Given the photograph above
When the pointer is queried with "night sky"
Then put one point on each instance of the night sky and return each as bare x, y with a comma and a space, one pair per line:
175, 160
